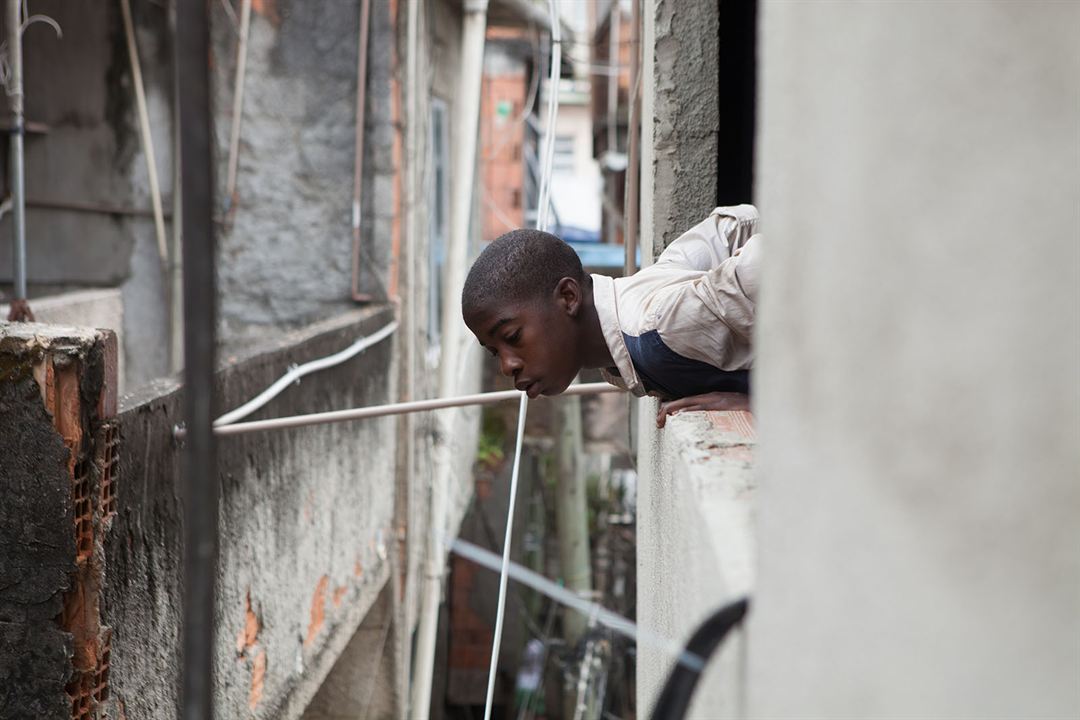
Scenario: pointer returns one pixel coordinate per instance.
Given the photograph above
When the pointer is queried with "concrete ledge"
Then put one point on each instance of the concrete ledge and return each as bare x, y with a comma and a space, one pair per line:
696, 548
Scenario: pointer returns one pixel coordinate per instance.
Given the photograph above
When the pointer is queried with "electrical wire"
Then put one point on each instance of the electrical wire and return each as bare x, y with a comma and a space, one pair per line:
295, 373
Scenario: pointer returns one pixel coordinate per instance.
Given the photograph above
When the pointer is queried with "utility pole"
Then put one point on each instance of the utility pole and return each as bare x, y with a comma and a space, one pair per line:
571, 512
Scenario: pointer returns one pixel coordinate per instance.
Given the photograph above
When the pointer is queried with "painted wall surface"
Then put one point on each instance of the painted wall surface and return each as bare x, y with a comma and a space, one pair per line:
918, 381
306, 522
695, 549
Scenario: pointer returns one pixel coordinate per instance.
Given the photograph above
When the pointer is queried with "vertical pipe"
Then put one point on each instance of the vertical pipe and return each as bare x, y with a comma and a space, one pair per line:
467, 119
200, 461
614, 18
358, 157
18, 188
633, 169
238, 104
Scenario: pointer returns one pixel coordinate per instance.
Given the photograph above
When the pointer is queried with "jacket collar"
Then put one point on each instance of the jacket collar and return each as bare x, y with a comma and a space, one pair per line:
607, 310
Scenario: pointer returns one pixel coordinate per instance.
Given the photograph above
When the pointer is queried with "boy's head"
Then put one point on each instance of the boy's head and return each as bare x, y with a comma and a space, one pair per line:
523, 300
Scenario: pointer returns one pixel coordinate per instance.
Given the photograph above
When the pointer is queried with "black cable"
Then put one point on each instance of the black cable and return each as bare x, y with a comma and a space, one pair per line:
675, 698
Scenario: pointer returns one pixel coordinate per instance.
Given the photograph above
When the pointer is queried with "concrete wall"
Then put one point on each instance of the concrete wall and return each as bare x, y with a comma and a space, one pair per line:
695, 549
919, 367
285, 253
685, 115
307, 531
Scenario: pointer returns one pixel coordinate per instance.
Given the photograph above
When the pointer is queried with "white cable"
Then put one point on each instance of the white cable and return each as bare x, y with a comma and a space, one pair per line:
296, 373
624, 626
541, 223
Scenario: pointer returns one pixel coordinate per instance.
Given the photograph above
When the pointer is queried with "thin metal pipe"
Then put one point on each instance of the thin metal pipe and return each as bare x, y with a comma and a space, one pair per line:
335, 416
358, 157
18, 185
238, 103
630, 201
192, 47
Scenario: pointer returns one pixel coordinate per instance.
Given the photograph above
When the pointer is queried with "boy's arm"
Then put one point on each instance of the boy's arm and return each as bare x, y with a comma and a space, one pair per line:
712, 241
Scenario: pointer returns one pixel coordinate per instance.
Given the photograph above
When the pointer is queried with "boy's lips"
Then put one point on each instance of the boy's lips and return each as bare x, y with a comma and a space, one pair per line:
529, 387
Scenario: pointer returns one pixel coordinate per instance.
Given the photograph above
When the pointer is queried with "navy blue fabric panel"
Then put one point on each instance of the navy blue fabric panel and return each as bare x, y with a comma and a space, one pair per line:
663, 370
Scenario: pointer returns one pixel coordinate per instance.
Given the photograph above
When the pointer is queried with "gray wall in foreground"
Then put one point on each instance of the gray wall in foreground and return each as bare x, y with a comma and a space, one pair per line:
918, 382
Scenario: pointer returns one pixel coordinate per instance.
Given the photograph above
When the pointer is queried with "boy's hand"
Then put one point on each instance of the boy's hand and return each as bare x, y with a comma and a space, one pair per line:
708, 401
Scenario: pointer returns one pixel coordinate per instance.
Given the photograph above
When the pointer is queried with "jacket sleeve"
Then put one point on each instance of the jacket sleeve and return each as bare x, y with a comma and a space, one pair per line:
713, 240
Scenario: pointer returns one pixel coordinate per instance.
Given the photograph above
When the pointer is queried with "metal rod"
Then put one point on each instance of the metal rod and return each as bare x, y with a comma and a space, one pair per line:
200, 461
335, 416
358, 153
238, 104
18, 186
633, 167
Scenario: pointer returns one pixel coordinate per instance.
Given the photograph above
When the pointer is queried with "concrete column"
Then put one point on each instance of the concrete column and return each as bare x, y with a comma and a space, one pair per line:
918, 375
57, 500
685, 114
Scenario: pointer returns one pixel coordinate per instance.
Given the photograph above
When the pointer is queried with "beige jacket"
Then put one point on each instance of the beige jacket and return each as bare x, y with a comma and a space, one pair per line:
674, 324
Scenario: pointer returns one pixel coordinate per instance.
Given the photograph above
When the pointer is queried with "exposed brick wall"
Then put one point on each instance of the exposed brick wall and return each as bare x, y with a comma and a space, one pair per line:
57, 395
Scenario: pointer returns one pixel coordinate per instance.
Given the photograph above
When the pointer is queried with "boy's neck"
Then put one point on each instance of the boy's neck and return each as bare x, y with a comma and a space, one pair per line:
594, 348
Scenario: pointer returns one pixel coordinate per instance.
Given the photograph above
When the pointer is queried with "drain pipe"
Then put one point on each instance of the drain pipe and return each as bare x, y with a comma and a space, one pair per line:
358, 158
20, 310
465, 129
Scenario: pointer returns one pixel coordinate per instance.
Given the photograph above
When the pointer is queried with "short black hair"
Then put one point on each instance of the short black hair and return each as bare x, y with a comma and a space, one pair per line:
518, 266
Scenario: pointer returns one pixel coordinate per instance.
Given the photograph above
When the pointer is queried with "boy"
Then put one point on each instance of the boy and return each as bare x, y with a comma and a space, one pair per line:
679, 329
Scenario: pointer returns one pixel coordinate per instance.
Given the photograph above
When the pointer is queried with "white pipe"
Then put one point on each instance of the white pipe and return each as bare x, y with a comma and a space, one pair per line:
465, 130
542, 219
412, 302
147, 140
294, 374
238, 102
402, 408
504, 573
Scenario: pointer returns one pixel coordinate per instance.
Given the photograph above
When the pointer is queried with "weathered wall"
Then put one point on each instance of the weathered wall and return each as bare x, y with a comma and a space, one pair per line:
306, 530
695, 549
56, 391
686, 111
918, 387
285, 252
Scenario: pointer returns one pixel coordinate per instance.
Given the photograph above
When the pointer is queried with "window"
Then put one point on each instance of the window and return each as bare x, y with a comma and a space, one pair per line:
564, 154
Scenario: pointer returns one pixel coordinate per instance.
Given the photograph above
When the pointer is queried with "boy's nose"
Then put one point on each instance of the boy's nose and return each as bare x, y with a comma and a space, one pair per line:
509, 365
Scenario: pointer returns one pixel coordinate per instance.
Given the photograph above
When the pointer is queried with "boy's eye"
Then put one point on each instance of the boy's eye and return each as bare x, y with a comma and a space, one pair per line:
514, 336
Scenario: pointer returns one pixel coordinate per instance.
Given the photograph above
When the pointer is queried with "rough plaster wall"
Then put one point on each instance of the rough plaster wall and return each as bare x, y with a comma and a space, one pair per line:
306, 531
919, 356
81, 87
286, 257
686, 116
37, 549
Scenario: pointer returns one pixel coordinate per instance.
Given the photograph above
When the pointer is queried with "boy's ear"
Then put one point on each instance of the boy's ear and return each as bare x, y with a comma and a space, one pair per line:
568, 296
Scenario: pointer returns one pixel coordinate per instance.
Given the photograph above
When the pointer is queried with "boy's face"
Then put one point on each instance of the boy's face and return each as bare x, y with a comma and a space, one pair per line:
534, 341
